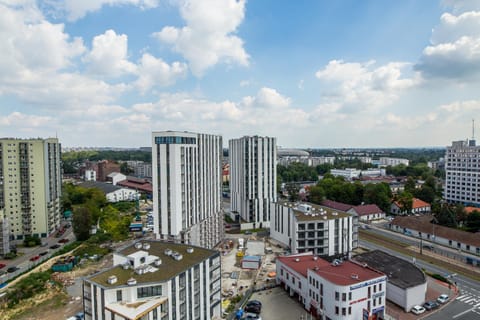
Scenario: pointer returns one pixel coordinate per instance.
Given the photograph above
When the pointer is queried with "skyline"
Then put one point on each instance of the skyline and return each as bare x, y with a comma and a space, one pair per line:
340, 74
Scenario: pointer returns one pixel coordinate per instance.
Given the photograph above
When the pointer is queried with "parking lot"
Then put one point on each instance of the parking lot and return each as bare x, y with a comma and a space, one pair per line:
276, 304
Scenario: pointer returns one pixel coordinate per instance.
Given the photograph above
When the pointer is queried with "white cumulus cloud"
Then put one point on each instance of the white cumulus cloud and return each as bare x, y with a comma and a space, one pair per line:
154, 71
209, 34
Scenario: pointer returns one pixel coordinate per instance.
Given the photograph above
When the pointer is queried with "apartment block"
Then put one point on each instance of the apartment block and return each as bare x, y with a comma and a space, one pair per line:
187, 187
305, 227
30, 185
253, 178
462, 167
4, 234
156, 280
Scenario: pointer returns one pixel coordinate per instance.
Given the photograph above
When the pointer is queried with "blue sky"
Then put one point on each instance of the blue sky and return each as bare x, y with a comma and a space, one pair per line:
324, 74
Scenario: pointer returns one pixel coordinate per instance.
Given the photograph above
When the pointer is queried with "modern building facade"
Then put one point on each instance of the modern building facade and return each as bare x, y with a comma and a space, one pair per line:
462, 168
312, 228
336, 290
386, 161
156, 280
253, 178
187, 187
30, 186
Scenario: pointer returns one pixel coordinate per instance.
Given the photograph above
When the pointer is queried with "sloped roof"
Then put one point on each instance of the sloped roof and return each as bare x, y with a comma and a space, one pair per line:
423, 224
367, 209
416, 203
336, 205
105, 187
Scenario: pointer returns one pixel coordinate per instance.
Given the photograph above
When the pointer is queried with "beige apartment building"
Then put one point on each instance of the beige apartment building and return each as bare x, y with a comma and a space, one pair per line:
30, 185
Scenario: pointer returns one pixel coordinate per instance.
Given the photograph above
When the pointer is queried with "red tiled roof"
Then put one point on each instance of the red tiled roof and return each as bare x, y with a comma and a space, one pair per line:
423, 224
367, 209
143, 186
336, 205
469, 210
347, 273
417, 203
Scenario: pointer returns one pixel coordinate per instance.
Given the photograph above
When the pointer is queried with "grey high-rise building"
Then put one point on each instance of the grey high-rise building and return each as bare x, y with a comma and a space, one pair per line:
462, 168
30, 186
253, 178
187, 187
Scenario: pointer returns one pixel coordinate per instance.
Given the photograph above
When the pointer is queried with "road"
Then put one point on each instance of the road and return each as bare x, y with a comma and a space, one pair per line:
23, 261
466, 306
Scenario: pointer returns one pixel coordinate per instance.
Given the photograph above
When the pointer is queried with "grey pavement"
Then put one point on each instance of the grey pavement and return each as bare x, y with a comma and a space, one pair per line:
278, 305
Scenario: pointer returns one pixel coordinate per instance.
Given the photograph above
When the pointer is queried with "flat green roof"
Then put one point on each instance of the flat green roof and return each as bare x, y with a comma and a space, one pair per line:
167, 270
315, 213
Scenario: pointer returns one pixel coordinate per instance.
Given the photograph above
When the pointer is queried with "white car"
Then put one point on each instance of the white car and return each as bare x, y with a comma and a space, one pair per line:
418, 309
442, 298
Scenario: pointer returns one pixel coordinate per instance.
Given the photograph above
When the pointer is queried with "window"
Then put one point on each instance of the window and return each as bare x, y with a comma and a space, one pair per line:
349, 310
380, 287
144, 292
336, 310
119, 295
337, 295
344, 311
349, 296
344, 296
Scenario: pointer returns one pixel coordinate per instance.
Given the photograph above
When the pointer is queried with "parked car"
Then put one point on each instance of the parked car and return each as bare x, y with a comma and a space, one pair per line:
418, 309
442, 298
2, 265
80, 316
64, 240
430, 305
55, 246
253, 306
12, 269
43, 253
251, 316
35, 258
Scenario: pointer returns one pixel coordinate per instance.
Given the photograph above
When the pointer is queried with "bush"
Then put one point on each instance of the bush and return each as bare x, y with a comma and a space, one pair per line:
27, 287
30, 241
440, 277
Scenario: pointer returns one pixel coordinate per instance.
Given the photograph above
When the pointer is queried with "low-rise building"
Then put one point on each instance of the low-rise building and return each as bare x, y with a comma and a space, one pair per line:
305, 227
418, 206
367, 212
116, 177
113, 193
333, 290
386, 161
156, 280
348, 173
406, 285
423, 227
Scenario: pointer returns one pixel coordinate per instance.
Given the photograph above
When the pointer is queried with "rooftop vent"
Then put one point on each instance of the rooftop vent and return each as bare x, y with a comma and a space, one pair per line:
112, 279
324, 217
354, 276
177, 256
189, 250
334, 213
138, 245
168, 252
157, 262
131, 281
336, 262
315, 258
126, 266
297, 260
146, 246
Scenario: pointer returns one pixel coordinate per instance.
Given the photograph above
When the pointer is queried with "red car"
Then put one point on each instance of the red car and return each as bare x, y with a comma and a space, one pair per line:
2, 265
34, 258
64, 240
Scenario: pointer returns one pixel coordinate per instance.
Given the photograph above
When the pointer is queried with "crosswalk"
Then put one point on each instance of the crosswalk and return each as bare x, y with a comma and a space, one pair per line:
469, 298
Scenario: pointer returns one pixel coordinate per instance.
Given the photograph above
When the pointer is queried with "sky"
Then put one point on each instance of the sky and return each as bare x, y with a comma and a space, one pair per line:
313, 74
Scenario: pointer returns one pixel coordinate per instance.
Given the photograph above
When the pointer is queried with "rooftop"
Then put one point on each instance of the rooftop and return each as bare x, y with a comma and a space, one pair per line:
337, 205
367, 209
167, 270
104, 187
343, 274
423, 223
417, 203
317, 212
401, 273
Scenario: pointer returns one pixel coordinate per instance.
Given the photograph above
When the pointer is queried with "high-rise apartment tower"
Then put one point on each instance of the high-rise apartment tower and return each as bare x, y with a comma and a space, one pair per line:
462, 168
187, 186
30, 186
253, 178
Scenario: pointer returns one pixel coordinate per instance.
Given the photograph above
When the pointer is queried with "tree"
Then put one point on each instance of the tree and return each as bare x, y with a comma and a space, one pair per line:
379, 194
125, 168
317, 194
410, 185
473, 221
445, 216
82, 222
425, 193
405, 199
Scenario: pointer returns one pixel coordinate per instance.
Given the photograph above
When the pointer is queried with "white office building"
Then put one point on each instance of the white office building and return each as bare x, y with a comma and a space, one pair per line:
336, 290
156, 280
312, 228
386, 161
348, 173
462, 165
253, 178
187, 187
